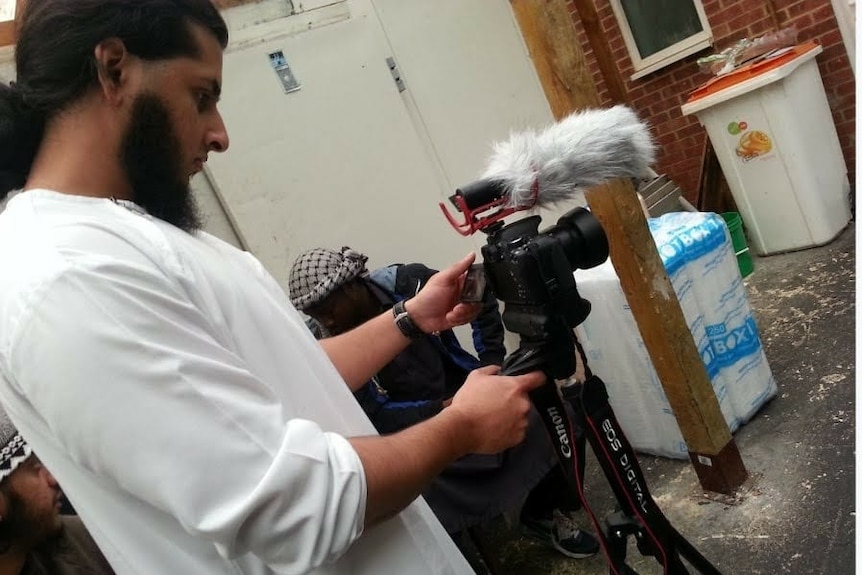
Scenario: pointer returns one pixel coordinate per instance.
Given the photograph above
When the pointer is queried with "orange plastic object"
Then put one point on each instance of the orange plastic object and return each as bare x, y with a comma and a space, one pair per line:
750, 71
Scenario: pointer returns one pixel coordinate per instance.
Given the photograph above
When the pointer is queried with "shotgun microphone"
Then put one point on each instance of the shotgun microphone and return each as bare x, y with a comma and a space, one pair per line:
538, 169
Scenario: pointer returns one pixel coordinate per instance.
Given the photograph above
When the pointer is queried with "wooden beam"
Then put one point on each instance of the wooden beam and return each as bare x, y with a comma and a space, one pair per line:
668, 341
643, 278
9, 30
560, 64
602, 50
7, 33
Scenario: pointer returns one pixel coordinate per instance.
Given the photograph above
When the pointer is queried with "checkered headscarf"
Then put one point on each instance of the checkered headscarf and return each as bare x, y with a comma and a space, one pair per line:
319, 272
13, 449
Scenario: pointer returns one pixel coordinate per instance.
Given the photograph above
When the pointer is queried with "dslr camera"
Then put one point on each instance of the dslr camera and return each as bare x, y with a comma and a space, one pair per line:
532, 273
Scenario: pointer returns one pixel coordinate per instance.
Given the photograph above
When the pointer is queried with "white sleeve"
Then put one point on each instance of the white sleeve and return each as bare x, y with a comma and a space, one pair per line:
130, 378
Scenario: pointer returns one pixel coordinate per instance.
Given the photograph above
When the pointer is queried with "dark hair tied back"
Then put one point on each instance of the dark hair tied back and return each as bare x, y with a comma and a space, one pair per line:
21, 130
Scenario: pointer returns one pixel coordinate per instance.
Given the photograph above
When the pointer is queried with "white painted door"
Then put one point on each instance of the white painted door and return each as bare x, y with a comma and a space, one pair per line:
468, 73
350, 160
337, 162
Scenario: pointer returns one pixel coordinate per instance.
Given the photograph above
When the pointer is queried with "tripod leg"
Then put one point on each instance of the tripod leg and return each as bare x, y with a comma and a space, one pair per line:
618, 527
485, 551
693, 556
616, 548
675, 565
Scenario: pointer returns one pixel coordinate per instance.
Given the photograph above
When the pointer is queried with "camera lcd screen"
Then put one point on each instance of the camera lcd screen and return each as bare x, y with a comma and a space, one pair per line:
474, 284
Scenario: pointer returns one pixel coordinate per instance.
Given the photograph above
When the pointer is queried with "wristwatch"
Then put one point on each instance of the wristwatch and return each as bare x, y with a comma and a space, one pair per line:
404, 322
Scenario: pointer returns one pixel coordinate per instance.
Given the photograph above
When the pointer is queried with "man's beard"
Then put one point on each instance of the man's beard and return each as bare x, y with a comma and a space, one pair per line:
151, 157
22, 525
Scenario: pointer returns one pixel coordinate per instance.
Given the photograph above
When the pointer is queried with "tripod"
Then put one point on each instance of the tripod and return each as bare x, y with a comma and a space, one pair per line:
639, 515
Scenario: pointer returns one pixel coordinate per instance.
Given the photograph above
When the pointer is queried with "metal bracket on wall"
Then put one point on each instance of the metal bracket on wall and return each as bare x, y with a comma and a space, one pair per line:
282, 70
396, 74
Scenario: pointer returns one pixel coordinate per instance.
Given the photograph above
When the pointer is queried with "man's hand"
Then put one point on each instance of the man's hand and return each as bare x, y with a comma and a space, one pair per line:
436, 307
494, 408
487, 415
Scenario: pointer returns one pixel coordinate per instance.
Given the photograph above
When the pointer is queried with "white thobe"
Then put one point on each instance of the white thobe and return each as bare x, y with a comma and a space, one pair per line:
185, 409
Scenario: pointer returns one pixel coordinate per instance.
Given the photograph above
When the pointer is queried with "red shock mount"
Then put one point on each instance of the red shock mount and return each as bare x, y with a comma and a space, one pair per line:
474, 221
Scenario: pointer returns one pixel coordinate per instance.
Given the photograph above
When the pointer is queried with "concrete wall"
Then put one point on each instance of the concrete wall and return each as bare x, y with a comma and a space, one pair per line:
216, 219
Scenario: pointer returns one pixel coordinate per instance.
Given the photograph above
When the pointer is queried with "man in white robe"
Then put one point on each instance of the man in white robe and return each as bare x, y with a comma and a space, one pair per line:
191, 418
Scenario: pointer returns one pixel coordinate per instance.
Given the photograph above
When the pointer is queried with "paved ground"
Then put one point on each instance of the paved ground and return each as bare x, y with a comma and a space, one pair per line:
797, 514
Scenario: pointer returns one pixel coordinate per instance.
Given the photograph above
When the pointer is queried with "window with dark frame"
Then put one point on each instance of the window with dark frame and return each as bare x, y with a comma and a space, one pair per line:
660, 32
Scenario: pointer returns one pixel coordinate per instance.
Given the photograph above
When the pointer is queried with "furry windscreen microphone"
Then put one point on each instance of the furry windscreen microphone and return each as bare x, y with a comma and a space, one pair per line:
583, 150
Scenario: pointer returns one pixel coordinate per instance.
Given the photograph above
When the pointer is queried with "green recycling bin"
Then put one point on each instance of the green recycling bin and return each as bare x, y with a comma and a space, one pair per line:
740, 246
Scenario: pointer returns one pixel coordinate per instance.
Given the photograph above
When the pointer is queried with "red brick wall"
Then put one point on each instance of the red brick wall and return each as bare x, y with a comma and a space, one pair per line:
657, 97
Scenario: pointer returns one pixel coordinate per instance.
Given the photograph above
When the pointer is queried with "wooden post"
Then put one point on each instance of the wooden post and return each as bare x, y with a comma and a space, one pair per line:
668, 341
9, 29
7, 33
562, 68
602, 50
643, 278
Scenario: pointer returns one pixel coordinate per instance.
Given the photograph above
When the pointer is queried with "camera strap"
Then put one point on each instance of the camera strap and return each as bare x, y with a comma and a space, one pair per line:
639, 514
558, 424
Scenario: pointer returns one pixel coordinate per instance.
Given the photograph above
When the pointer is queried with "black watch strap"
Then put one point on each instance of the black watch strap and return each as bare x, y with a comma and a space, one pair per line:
404, 322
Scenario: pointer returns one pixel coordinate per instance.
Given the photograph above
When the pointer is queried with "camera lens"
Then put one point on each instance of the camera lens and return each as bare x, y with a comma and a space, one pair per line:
582, 237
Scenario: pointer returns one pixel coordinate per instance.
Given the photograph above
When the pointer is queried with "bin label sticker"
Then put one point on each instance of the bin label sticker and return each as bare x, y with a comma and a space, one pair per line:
752, 143
735, 128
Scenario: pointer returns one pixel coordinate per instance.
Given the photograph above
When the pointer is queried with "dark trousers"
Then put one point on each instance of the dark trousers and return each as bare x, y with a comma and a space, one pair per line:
553, 491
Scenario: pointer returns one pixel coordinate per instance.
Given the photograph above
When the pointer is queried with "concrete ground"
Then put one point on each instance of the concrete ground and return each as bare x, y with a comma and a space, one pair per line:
797, 512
